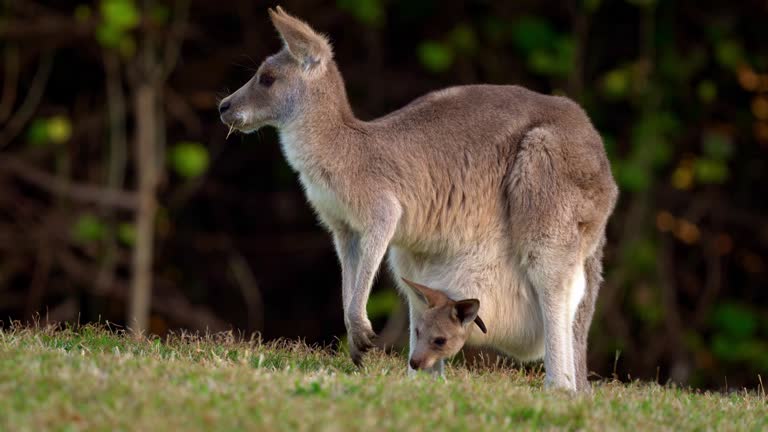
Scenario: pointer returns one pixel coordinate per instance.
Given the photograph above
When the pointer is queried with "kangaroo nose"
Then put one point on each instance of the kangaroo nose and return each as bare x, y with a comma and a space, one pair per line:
224, 107
415, 364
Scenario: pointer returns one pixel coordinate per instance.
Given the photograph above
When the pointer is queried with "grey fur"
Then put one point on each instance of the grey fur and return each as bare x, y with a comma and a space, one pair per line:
495, 193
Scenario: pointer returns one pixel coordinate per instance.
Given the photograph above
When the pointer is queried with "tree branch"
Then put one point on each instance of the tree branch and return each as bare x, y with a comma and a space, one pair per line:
27, 109
10, 79
78, 192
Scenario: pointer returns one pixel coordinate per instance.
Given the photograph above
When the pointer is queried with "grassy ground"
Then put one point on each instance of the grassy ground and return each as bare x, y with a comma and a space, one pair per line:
92, 379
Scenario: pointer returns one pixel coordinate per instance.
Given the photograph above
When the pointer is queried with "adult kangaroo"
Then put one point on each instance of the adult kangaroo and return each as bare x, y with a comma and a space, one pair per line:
489, 192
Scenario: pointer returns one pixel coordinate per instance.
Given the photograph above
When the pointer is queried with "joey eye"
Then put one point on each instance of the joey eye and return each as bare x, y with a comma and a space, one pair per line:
439, 341
417, 333
266, 79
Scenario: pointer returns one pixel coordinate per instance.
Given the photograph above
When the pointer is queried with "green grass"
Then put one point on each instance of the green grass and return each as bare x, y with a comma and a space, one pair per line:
92, 379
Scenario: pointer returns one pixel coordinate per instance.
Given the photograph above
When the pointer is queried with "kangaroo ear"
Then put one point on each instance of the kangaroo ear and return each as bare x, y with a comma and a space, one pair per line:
308, 47
466, 312
430, 296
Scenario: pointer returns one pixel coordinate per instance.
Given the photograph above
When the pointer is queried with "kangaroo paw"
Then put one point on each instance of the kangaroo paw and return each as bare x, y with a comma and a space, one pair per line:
361, 340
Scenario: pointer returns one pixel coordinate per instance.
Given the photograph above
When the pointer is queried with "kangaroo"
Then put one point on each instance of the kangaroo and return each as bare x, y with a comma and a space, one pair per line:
490, 192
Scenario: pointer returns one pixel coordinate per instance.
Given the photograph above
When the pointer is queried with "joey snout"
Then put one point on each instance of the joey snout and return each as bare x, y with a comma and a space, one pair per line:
419, 363
422, 362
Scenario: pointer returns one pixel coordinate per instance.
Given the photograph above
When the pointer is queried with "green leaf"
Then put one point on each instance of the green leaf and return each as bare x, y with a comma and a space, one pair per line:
83, 13
541, 62
532, 33
652, 138
51, 130
707, 91
382, 303
615, 83
88, 228
118, 17
127, 46
555, 61
435, 56
37, 134
717, 145
652, 313
120, 14
641, 255
729, 53
710, 170
59, 129
109, 36
463, 39
681, 67
369, 12
126, 233
735, 320
632, 175
752, 351
160, 14
189, 159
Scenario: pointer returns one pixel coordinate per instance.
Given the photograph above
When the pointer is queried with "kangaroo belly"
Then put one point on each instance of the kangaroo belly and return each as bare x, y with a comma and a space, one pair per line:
508, 305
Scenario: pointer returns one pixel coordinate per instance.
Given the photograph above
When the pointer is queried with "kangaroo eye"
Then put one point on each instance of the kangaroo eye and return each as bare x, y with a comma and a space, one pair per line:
417, 333
440, 341
266, 79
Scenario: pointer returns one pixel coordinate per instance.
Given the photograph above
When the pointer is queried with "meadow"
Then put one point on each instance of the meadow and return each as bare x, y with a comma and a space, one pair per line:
97, 378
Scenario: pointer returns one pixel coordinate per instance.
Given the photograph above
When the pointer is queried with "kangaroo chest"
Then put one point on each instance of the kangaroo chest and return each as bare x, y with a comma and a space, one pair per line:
321, 196
327, 203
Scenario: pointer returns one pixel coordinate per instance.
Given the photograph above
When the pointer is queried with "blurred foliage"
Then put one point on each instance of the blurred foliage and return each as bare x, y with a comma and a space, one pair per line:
126, 233
435, 56
546, 51
369, 12
189, 159
88, 228
736, 338
50, 130
382, 303
439, 56
118, 18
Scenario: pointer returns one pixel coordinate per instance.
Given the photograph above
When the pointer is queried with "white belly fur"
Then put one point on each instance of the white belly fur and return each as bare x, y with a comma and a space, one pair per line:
576, 291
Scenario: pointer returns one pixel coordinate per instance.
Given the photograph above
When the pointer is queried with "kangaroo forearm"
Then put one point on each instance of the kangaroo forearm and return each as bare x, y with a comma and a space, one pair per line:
347, 244
373, 245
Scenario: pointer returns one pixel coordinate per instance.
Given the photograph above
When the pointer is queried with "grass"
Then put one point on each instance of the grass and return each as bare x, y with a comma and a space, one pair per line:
92, 379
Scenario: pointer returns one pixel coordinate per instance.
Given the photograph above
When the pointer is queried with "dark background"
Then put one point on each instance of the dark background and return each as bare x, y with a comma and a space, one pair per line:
679, 90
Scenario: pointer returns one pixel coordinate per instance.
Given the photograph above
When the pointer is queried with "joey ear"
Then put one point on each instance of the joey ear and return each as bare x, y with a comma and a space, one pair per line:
430, 296
481, 324
309, 48
466, 312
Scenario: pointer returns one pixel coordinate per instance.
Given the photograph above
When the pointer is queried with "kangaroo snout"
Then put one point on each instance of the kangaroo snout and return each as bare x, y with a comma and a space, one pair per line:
227, 113
236, 111
224, 106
